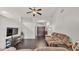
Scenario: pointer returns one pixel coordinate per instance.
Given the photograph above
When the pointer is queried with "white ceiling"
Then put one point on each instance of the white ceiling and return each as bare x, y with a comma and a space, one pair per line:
47, 13
16, 12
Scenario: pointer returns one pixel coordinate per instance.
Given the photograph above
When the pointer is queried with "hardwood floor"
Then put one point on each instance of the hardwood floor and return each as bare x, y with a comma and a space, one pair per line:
31, 44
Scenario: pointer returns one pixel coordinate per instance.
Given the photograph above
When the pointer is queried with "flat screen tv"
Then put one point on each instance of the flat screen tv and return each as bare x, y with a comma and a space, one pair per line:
9, 31
12, 31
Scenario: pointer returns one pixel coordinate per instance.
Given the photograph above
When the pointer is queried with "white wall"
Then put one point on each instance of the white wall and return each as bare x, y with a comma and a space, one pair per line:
28, 29
67, 22
4, 23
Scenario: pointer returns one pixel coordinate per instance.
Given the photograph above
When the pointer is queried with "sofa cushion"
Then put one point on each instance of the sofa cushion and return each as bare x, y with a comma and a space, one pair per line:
58, 37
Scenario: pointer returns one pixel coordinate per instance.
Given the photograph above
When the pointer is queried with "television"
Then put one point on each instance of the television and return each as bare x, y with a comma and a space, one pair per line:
9, 31
12, 31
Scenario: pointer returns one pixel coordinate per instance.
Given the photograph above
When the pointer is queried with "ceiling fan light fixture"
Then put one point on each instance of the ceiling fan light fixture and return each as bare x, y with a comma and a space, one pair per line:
35, 11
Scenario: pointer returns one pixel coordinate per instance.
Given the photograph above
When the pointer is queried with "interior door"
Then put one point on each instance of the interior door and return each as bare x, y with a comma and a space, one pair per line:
41, 32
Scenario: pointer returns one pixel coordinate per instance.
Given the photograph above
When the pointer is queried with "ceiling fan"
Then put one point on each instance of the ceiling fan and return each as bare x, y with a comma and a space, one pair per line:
35, 11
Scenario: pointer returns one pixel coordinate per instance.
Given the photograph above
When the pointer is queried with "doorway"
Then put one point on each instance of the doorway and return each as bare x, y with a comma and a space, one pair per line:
41, 32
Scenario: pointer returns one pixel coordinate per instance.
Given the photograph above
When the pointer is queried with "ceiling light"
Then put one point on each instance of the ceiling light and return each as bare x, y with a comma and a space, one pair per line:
7, 14
4, 12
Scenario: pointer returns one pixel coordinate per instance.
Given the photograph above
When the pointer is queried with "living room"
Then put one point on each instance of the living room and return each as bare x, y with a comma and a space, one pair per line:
19, 23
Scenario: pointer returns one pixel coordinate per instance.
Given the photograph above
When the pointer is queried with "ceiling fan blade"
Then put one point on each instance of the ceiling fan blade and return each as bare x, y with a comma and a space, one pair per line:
28, 12
39, 13
39, 9
30, 8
